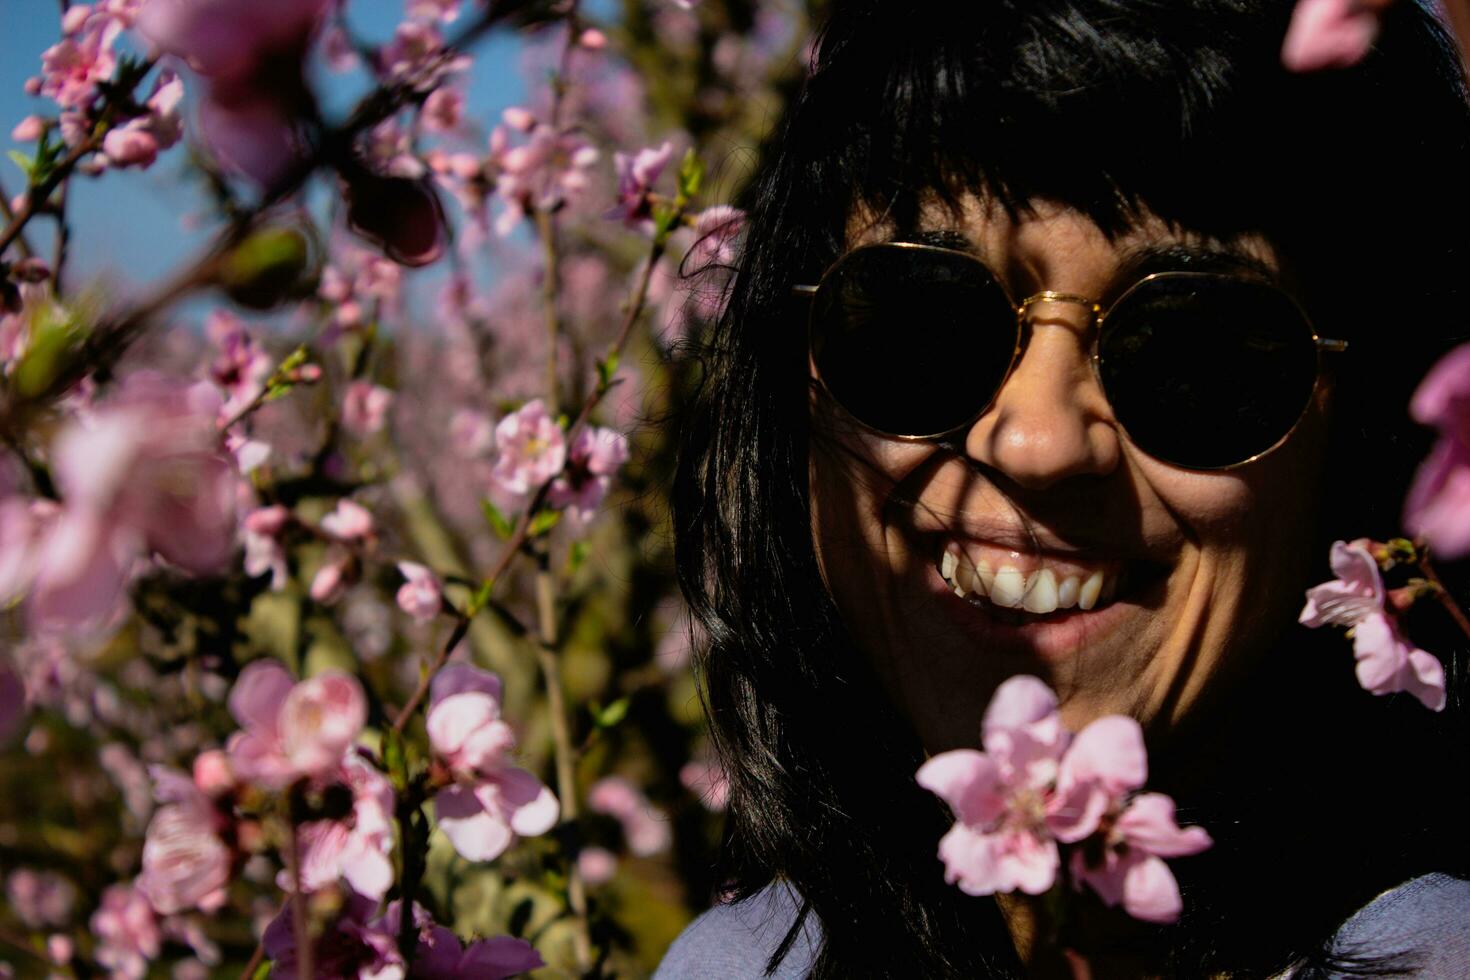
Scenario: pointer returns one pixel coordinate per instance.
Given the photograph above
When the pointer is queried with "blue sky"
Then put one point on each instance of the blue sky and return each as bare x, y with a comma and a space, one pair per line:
131, 226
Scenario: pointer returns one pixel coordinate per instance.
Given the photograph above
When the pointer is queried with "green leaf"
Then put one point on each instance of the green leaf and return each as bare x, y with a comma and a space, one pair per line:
262, 972
612, 715
23, 162
691, 174
481, 597
544, 521
606, 369
664, 217
578, 555
395, 759
498, 522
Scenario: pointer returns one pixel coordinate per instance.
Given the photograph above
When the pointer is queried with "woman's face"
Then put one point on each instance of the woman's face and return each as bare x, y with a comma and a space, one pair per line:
1194, 572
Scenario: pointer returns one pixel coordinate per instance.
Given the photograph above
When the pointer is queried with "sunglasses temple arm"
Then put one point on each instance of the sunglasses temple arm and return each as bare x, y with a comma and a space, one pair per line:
1335, 346
801, 290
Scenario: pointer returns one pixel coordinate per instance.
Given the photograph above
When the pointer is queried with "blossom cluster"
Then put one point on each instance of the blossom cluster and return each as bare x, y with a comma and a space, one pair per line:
1037, 788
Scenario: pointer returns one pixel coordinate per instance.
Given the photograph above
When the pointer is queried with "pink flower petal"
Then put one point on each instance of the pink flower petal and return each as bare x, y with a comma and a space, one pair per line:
968, 781
259, 692
456, 718
1443, 397
460, 678
1150, 892
477, 834
1328, 34
1149, 825
535, 810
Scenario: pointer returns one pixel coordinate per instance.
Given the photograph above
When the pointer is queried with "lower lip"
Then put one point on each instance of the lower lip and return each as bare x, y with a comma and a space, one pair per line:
1060, 636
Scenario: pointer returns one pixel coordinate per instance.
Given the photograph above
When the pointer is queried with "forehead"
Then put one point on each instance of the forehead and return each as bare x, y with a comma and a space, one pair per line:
1055, 247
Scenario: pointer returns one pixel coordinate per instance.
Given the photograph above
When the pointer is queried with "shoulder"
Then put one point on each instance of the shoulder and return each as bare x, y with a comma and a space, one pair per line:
1425, 921
734, 941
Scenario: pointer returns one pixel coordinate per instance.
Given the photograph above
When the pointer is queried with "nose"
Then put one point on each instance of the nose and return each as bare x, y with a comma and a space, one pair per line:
1050, 420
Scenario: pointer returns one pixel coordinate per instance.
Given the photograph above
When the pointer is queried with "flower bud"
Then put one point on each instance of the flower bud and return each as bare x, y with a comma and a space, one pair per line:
267, 268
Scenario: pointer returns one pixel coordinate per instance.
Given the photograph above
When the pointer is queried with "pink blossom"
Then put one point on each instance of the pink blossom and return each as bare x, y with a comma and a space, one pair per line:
389, 150
337, 50
445, 10
333, 578
595, 456
471, 433
645, 826
186, 864
144, 473
28, 130
1438, 505
531, 449
291, 730
490, 800
636, 177
1331, 33
1132, 872
592, 39
126, 933
706, 779
417, 55
241, 367
71, 68
547, 170
365, 408
1386, 661
421, 596
355, 848
443, 110
597, 865
40, 899
441, 957
212, 773
349, 521
138, 141
261, 533
716, 230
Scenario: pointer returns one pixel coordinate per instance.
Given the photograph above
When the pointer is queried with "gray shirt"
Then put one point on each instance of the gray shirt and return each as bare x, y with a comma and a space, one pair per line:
1427, 919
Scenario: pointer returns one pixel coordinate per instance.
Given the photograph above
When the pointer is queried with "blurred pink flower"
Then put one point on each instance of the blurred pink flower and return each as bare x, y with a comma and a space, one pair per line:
355, 848
636, 176
333, 578
445, 10
1330, 33
388, 150
292, 730
186, 864
251, 53
349, 521
1386, 661
443, 110
490, 800
645, 826
1132, 871
261, 532
241, 367
144, 473
40, 899
138, 141
595, 456
716, 230
542, 173
705, 778
1438, 505
471, 433
365, 408
28, 130
126, 932
531, 448
71, 68
598, 865
421, 596
417, 55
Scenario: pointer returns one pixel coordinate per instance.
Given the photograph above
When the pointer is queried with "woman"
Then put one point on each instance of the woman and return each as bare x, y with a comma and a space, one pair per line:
863, 445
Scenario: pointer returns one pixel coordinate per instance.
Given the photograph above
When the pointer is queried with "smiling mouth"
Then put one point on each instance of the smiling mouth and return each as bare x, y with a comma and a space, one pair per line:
1028, 587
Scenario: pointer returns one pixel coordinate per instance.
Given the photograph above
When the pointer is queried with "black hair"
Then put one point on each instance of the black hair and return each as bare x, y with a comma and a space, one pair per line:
1119, 109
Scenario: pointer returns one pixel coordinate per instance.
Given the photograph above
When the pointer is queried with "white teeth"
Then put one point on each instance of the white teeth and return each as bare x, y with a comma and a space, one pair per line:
1067, 592
1009, 587
1087, 596
1041, 597
947, 565
966, 578
986, 574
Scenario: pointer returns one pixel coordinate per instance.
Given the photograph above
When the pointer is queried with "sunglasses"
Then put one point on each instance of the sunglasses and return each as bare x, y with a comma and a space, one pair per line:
1202, 370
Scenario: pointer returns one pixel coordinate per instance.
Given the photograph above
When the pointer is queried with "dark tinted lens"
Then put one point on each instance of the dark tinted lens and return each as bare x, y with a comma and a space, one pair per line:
912, 341
1204, 371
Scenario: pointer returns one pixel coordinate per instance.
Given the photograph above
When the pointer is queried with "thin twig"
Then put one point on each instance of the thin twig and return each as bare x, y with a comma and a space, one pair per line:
63, 241
253, 964
8, 213
1443, 594
299, 924
523, 525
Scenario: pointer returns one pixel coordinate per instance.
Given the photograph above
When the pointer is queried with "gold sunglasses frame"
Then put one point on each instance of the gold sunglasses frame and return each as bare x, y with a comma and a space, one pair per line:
1097, 317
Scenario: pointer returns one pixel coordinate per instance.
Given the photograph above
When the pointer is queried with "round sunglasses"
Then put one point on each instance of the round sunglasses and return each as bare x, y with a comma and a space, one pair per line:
1202, 370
